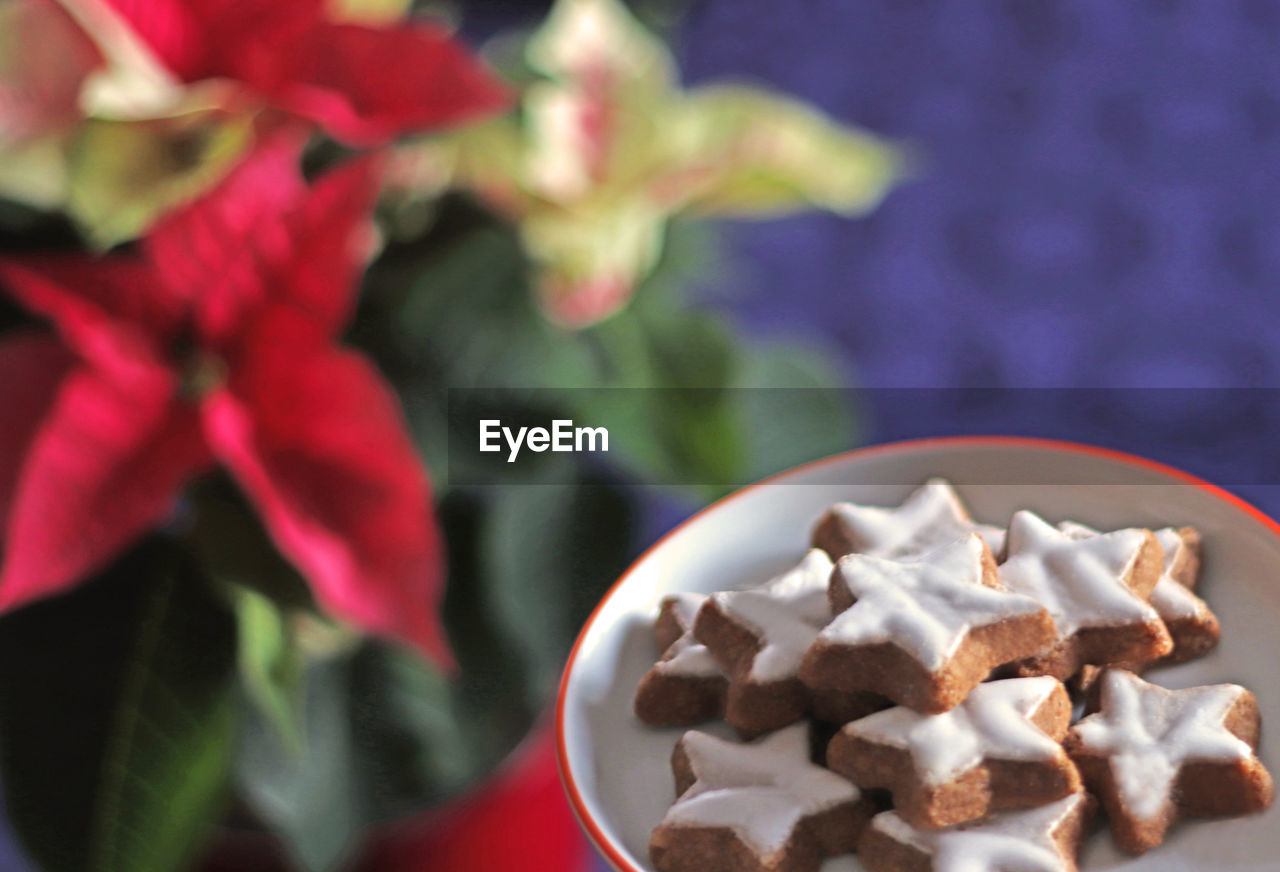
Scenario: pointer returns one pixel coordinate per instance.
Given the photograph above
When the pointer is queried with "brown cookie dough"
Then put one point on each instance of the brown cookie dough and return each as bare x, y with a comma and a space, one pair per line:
923, 632
999, 749
757, 807
1154, 755
686, 686
760, 635
1095, 587
1192, 626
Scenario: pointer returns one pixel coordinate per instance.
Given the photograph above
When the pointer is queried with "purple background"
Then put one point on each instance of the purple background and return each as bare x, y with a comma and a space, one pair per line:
1098, 205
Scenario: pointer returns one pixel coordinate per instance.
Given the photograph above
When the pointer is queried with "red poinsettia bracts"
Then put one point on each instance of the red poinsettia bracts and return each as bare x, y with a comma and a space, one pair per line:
362, 84
217, 344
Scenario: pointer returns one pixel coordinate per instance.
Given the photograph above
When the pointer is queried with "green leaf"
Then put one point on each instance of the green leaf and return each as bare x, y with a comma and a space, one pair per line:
124, 174
793, 408
551, 550
117, 717
219, 514
681, 428
470, 310
385, 734
417, 728
318, 801
270, 665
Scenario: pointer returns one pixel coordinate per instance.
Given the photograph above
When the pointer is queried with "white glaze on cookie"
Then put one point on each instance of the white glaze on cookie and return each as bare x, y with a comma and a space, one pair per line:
927, 606
931, 516
1020, 840
761, 790
992, 723
1170, 598
786, 613
1077, 577
1149, 733
687, 656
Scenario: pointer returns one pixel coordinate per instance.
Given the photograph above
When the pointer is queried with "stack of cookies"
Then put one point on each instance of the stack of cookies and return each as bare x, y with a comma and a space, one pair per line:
906, 693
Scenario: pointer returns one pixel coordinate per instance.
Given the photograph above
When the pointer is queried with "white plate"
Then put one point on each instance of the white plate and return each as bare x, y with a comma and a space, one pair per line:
616, 770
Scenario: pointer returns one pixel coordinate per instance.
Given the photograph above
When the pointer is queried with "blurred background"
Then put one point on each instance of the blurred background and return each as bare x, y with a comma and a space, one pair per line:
1079, 238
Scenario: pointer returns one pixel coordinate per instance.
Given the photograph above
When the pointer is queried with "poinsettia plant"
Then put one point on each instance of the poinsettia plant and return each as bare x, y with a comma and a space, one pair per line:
246, 250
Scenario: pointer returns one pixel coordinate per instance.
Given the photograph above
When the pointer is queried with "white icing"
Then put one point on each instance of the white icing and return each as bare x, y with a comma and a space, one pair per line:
1021, 840
786, 613
1077, 577
924, 606
1149, 733
992, 723
1170, 598
687, 656
931, 516
1172, 601
761, 790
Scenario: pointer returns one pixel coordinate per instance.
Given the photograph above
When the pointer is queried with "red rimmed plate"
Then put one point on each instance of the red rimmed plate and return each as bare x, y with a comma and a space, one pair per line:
616, 769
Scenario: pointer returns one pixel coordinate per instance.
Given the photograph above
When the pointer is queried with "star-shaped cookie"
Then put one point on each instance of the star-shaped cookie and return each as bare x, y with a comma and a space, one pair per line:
686, 686
1193, 628
1045, 839
1096, 588
1154, 755
999, 749
764, 806
760, 635
931, 516
923, 632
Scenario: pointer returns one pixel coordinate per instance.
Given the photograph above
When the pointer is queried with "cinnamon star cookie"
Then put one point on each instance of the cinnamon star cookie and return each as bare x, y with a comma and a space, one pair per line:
1193, 628
1045, 839
760, 636
1001, 748
923, 632
1096, 589
1154, 755
758, 807
686, 686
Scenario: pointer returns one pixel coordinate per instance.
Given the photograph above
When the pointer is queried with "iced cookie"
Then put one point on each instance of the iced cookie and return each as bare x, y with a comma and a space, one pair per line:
1045, 839
999, 749
1154, 755
686, 686
923, 632
760, 635
758, 807
931, 516
1096, 588
1192, 626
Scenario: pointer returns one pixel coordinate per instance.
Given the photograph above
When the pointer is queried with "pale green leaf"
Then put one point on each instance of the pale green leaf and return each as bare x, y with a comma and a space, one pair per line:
590, 260
743, 152
123, 175
35, 172
270, 664
377, 13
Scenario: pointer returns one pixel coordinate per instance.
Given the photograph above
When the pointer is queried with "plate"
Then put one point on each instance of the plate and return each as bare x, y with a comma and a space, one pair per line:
616, 770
